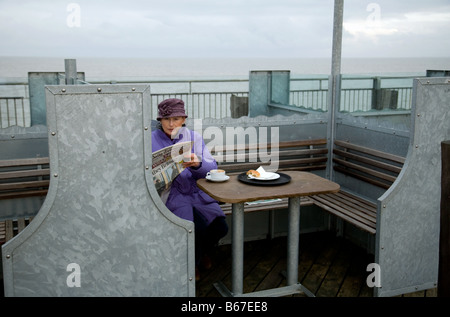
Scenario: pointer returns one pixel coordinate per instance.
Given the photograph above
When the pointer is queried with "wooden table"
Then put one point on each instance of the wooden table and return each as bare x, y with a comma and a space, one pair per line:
237, 193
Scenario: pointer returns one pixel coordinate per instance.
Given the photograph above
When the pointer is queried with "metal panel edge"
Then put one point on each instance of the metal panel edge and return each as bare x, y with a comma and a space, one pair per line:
384, 202
9, 247
188, 226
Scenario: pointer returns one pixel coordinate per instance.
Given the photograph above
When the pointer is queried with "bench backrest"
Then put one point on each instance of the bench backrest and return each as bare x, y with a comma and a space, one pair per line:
372, 166
24, 178
289, 155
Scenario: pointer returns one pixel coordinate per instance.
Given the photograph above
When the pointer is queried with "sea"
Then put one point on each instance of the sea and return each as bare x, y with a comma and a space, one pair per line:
213, 68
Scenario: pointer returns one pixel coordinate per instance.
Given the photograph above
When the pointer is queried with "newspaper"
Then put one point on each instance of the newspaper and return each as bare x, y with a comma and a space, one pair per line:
167, 163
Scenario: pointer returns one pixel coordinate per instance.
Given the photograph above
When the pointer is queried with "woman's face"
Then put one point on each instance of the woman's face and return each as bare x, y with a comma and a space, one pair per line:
172, 125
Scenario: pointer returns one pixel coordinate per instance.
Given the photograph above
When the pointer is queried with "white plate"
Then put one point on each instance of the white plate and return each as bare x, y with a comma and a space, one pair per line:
268, 177
218, 180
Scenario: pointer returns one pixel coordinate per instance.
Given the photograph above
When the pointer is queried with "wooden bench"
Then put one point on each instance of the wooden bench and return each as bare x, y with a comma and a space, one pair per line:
30, 177
298, 155
21, 178
12, 227
372, 166
301, 155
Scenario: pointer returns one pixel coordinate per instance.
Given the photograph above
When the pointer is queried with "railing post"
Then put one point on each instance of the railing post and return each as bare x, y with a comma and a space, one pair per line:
71, 71
444, 244
376, 93
334, 81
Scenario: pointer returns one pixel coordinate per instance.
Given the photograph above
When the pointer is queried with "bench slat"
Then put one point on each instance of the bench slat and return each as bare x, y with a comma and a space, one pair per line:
365, 209
22, 178
281, 145
2, 232
25, 173
369, 161
9, 230
362, 177
242, 157
366, 170
28, 193
21, 185
25, 162
346, 218
358, 212
291, 155
358, 200
11, 227
362, 149
349, 214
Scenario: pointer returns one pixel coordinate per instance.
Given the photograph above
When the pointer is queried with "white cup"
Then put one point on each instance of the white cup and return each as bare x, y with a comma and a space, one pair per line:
216, 175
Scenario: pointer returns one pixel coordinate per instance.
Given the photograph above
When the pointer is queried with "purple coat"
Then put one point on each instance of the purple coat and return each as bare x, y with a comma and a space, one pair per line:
184, 193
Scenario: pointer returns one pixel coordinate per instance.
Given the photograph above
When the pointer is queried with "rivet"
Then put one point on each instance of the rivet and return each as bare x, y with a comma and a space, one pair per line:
55, 175
133, 89
13, 136
418, 114
99, 89
428, 81
53, 133
145, 128
63, 90
190, 231
417, 146
190, 279
384, 206
8, 256
146, 167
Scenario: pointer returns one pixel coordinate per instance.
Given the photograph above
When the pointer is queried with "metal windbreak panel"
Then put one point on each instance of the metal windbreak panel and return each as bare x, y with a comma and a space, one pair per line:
36, 85
408, 225
102, 218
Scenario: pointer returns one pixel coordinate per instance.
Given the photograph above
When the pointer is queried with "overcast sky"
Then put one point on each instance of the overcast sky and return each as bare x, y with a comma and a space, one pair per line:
222, 28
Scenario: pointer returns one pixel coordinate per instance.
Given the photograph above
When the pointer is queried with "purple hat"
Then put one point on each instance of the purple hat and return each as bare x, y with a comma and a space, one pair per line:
171, 108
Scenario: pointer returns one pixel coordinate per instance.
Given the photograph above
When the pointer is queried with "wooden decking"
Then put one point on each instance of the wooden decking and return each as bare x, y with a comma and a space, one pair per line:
328, 267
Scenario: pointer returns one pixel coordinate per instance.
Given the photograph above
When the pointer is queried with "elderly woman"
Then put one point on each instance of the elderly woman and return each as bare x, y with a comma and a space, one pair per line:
184, 198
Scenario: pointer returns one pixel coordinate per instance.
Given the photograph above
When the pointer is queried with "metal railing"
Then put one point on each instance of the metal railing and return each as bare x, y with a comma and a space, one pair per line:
203, 97
358, 94
14, 111
212, 97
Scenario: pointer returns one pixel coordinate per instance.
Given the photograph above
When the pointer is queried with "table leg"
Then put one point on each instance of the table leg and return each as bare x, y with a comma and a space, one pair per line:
237, 254
237, 273
237, 250
293, 246
293, 240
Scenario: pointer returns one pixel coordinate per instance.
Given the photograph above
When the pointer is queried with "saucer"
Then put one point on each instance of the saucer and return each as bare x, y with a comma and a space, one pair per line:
218, 180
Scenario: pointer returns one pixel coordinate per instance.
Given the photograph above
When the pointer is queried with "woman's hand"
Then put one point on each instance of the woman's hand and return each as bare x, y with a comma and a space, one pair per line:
191, 160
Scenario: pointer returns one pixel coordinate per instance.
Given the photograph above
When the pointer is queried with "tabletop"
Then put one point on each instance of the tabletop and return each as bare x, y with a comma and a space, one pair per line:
235, 191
